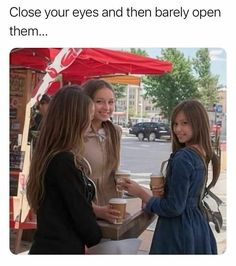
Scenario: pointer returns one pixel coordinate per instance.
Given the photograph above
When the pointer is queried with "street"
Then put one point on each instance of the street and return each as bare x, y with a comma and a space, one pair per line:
143, 156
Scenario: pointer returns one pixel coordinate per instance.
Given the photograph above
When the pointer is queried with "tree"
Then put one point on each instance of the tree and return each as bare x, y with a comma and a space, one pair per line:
119, 90
138, 51
207, 83
171, 88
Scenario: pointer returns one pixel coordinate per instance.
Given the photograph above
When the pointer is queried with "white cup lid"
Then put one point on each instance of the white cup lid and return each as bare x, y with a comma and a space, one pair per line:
156, 175
118, 201
123, 172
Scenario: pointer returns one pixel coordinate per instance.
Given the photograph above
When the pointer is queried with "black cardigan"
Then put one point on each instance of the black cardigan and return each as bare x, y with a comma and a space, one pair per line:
65, 220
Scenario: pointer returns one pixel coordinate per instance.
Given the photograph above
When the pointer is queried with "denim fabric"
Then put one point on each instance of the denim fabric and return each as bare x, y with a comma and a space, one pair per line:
181, 227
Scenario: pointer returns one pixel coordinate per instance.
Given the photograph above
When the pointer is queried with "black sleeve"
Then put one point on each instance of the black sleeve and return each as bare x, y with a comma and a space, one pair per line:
71, 186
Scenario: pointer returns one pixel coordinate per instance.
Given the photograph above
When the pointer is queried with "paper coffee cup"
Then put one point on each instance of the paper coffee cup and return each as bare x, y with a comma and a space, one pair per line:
120, 205
122, 174
156, 181
119, 176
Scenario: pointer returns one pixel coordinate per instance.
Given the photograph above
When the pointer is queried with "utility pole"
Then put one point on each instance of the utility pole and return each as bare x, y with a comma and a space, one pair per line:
127, 105
141, 108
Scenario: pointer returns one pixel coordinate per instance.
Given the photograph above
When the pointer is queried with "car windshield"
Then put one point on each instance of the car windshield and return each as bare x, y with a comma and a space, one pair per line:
163, 128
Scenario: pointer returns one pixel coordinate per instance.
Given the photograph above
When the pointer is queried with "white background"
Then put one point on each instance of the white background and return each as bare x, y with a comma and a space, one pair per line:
111, 33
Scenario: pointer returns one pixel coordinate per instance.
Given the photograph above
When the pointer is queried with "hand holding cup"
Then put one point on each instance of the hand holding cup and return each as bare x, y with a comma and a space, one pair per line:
119, 205
120, 177
157, 185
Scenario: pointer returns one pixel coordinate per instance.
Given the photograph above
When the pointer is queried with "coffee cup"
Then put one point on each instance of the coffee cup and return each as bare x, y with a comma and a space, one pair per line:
120, 205
120, 175
156, 181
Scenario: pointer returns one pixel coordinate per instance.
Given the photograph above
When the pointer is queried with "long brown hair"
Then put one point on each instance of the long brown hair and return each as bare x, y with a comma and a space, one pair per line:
113, 134
198, 118
67, 119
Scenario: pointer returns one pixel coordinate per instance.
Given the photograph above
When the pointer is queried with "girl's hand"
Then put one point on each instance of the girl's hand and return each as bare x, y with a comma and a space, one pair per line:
106, 213
133, 188
157, 191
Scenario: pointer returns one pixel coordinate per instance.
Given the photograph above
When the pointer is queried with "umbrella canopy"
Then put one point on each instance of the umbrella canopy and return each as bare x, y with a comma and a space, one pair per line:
91, 62
32, 58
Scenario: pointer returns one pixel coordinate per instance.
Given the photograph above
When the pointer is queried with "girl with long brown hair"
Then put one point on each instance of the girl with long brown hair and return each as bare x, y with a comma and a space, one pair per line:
58, 189
102, 145
182, 227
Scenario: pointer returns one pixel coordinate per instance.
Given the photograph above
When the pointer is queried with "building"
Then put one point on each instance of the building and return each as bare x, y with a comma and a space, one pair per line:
134, 108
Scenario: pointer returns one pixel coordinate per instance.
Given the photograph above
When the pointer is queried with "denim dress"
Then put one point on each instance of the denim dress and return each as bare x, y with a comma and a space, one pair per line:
181, 227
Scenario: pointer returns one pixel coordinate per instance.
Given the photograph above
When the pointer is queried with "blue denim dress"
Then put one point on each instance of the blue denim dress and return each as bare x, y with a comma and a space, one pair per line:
181, 227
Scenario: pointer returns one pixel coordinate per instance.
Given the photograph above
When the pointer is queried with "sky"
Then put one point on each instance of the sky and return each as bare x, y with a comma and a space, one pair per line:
217, 55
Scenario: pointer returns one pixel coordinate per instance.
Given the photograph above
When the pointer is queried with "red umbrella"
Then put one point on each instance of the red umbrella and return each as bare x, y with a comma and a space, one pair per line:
33, 58
91, 62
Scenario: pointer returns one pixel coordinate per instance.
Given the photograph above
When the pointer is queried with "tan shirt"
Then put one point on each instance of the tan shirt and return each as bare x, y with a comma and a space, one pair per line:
95, 153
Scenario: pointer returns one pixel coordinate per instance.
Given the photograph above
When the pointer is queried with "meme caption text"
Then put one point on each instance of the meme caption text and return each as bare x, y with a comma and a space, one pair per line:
49, 14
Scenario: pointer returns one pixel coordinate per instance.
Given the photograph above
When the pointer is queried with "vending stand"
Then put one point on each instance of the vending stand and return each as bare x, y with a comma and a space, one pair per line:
22, 81
32, 73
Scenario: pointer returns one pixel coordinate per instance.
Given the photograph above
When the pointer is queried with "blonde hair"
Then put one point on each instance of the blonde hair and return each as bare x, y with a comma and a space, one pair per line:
62, 129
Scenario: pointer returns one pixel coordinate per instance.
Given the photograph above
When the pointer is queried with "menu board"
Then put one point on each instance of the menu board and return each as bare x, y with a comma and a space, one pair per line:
14, 176
17, 83
16, 159
18, 96
22, 82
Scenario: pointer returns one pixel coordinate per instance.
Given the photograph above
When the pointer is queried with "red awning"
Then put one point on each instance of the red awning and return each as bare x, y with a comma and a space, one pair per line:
33, 58
91, 62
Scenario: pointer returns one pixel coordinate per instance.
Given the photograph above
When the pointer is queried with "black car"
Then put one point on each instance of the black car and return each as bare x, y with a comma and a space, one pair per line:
151, 131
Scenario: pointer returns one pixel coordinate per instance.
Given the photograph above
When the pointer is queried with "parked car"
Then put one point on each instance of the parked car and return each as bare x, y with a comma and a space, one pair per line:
151, 131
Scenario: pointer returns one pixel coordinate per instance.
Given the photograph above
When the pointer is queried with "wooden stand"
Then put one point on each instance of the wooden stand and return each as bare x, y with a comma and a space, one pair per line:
133, 226
22, 81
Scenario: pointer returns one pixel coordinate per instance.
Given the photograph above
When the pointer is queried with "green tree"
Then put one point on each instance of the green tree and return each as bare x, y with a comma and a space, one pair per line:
138, 51
131, 111
171, 88
207, 83
119, 90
